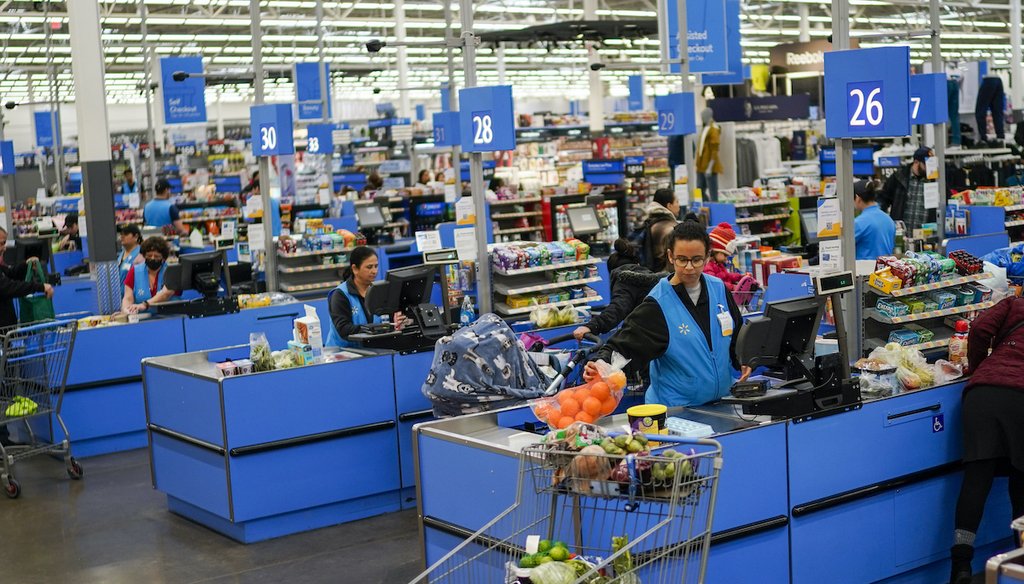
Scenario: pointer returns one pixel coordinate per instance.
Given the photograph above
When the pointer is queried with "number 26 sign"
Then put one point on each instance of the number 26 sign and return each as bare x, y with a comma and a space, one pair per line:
867, 93
487, 119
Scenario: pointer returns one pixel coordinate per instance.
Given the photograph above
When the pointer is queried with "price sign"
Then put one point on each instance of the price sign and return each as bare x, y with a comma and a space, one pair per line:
634, 166
929, 99
867, 93
186, 148
380, 130
487, 119
7, 158
446, 129
218, 147
271, 127
320, 139
676, 114
71, 155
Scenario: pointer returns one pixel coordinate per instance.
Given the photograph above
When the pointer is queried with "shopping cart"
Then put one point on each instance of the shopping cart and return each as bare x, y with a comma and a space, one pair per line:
34, 362
645, 528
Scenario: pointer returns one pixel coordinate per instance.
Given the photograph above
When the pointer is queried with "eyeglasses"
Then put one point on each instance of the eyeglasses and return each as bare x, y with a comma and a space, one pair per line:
696, 261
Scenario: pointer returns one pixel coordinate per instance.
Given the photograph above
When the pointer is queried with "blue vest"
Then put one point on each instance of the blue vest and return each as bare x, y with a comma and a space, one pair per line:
158, 212
141, 290
358, 317
129, 262
689, 374
127, 190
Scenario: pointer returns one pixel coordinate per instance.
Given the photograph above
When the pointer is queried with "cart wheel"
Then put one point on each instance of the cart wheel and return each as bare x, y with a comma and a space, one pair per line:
12, 488
75, 470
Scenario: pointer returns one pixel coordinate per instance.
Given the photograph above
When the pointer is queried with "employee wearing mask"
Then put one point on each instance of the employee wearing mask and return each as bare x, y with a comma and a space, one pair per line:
144, 284
131, 241
345, 303
686, 328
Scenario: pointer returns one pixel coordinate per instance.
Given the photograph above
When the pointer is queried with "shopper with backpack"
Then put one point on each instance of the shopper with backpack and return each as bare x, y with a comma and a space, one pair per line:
662, 217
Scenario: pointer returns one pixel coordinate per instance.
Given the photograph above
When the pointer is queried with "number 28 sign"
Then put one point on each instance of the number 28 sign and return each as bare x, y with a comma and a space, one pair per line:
867, 93
271, 127
487, 119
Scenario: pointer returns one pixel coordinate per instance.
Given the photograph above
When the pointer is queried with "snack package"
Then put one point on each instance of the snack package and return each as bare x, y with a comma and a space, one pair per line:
586, 403
259, 353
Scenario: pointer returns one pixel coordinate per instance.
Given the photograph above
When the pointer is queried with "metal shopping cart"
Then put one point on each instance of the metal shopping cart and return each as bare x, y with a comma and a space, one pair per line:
647, 527
34, 362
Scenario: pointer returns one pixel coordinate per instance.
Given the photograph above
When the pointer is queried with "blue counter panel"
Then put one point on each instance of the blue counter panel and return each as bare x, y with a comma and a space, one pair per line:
886, 439
184, 403
76, 295
192, 474
315, 474
762, 557
105, 419
264, 407
410, 373
233, 329
63, 260
752, 457
115, 352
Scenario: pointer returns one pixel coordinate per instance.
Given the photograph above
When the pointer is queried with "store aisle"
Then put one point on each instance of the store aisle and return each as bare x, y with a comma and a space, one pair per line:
114, 528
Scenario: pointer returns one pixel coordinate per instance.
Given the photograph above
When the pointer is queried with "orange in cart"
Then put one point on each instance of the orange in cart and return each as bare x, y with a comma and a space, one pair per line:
600, 391
570, 407
592, 406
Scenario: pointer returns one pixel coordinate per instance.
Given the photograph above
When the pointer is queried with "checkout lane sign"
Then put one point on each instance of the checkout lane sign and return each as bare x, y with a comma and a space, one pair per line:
7, 158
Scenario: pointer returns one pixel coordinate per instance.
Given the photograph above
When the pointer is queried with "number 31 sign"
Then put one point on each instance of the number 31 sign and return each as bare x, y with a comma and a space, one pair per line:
271, 127
487, 119
867, 93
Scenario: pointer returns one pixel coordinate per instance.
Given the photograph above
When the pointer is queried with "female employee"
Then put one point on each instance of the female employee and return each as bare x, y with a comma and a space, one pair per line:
130, 257
345, 303
686, 328
144, 284
993, 435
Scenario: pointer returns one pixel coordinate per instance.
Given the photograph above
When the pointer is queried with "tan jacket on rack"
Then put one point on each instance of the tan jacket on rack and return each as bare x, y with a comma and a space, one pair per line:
707, 150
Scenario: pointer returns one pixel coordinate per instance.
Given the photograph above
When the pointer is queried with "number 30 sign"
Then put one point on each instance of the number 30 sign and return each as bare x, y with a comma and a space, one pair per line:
271, 127
867, 93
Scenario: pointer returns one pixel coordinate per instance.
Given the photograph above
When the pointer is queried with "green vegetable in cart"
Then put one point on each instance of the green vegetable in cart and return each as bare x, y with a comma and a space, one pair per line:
624, 563
528, 561
553, 573
559, 554
544, 545
21, 406
558, 543
544, 559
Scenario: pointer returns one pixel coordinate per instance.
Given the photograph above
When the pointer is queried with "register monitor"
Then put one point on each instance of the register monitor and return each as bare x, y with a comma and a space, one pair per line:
583, 220
787, 330
402, 289
809, 225
369, 216
201, 272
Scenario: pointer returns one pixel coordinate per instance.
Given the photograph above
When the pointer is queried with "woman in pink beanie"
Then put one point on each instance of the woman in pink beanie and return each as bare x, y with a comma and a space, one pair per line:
723, 244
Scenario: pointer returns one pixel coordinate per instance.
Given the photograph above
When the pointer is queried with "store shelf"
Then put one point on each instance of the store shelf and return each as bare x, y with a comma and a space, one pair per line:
204, 219
505, 309
1017, 223
786, 233
212, 203
758, 218
874, 314
516, 215
759, 203
527, 288
303, 269
132, 222
547, 268
518, 230
933, 286
941, 340
308, 287
1014, 208
523, 201
306, 254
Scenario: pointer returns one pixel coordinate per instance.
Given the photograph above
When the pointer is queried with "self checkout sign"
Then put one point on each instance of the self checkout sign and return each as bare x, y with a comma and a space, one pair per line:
320, 139
928, 99
676, 114
487, 119
271, 127
867, 93
446, 129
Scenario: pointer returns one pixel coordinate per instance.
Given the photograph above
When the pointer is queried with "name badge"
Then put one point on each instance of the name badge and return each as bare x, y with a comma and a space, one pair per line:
724, 321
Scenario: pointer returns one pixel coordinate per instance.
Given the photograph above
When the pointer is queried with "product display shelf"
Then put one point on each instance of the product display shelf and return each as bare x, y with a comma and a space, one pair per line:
774, 235
1014, 208
760, 203
517, 215
757, 218
932, 286
308, 287
1015, 223
537, 284
303, 269
874, 314
547, 268
306, 271
522, 201
302, 254
941, 340
503, 308
204, 219
533, 229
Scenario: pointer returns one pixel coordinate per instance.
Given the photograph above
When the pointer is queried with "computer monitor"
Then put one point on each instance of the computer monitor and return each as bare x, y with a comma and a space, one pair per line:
402, 289
31, 247
786, 331
809, 225
201, 272
583, 220
370, 216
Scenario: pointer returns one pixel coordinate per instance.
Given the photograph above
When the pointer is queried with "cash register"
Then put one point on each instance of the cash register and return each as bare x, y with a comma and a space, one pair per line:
783, 340
405, 290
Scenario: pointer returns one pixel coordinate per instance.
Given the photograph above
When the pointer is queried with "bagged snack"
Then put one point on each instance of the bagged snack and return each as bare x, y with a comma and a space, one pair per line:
259, 353
586, 403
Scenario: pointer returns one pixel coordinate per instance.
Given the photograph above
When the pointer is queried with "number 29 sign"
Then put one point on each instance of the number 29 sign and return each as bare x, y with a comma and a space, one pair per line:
867, 93
487, 119
271, 127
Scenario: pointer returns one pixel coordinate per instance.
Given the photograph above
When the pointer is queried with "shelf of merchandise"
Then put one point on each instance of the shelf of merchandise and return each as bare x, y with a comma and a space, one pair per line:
519, 230
758, 218
527, 287
516, 215
218, 202
947, 283
547, 268
132, 222
941, 340
307, 287
1016, 223
760, 203
874, 314
303, 269
1014, 208
503, 308
522, 201
205, 219
305, 254
773, 235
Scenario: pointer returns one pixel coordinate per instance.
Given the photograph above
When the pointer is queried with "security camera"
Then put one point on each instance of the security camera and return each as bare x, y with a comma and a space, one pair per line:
597, 66
10, 105
179, 76
375, 46
376, 90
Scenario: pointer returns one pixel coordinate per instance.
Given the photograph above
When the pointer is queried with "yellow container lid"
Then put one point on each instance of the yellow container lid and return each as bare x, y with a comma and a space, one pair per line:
647, 411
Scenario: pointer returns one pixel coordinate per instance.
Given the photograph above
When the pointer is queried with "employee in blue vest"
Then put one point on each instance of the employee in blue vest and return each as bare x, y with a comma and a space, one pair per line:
128, 185
345, 303
162, 212
685, 329
874, 231
131, 240
144, 285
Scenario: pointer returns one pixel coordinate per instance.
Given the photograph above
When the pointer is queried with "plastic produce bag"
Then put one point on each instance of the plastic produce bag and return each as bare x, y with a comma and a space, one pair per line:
259, 353
997, 283
586, 403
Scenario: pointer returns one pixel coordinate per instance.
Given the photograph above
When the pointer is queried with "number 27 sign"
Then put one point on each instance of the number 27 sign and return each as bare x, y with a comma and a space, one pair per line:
867, 93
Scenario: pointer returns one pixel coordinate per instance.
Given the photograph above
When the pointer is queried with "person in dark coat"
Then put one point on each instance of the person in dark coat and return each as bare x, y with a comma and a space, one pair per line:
902, 196
993, 432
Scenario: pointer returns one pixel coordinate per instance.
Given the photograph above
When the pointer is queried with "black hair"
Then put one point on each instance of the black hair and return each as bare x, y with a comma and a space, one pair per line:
690, 229
429, 176
162, 185
496, 183
131, 229
157, 244
625, 254
664, 197
70, 220
867, 190
356, 258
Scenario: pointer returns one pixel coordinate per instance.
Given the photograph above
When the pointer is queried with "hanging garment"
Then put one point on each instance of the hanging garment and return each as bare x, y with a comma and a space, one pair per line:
990, 99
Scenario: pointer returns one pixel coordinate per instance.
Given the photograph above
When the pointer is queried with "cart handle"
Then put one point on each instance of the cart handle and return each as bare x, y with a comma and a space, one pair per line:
596, 340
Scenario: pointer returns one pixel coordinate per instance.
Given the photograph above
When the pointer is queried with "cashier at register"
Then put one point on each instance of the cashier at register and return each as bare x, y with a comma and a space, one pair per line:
686, 328
345, 303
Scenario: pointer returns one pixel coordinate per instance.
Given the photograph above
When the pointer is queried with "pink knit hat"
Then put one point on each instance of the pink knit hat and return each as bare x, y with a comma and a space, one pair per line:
722, 238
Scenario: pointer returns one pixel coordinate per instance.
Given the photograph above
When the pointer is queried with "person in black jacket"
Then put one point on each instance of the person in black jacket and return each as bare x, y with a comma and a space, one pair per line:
902, 197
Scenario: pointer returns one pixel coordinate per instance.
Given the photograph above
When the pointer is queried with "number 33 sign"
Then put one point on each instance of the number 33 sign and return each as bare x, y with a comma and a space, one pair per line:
867, 93
487, 119
271, 127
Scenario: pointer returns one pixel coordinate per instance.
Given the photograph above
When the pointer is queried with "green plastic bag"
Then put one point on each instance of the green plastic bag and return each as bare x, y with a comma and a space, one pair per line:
35, 307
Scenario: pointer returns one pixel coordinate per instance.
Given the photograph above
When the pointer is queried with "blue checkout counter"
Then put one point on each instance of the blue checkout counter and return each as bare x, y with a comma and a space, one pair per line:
862, 496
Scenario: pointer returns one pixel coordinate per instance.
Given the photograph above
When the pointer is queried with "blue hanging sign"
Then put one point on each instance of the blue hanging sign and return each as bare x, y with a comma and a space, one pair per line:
488, 168
320, 139
676, 114
867, 93
707, 45
184, 101
929, 99
636, 93
445, 96
421, 112
310, 103
446, 129
44, 129
487, 119
271, 127
7, 158
736, 73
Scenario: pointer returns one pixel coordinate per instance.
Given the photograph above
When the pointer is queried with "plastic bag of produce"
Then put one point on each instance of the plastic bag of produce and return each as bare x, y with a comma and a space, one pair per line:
585, 403
259, 353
